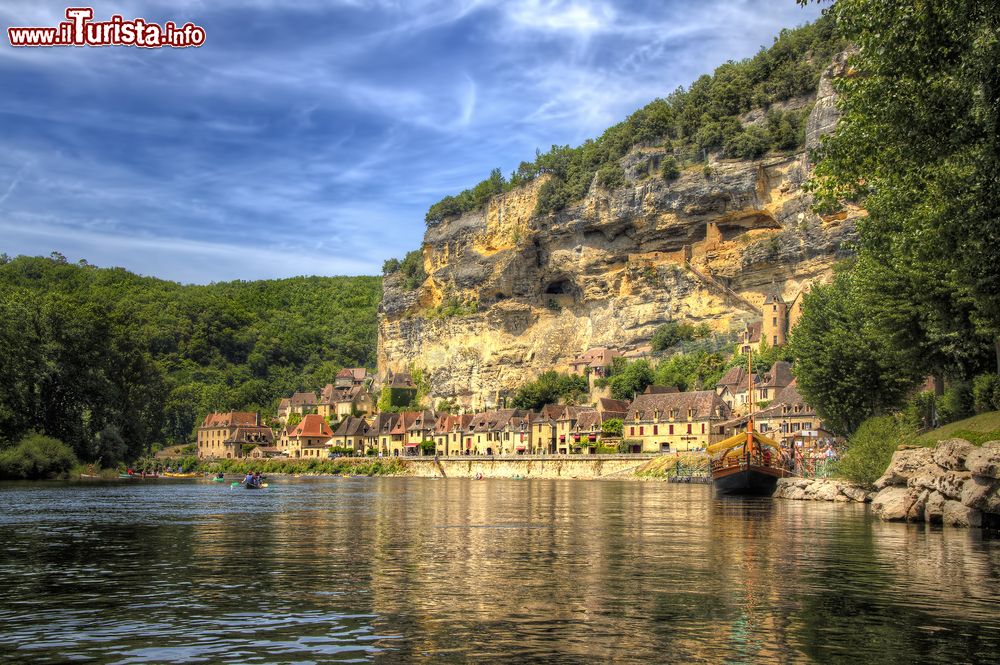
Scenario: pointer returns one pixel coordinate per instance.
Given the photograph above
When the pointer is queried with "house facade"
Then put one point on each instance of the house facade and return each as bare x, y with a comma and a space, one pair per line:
224, 435
670, 422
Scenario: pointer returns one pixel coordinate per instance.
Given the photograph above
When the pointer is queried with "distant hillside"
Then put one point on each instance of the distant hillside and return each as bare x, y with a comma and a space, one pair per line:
85, 350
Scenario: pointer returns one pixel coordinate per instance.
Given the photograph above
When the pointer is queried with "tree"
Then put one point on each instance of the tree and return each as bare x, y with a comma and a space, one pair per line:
549, 388
628, 379
870, 449
918, 145
845, 368
612, 427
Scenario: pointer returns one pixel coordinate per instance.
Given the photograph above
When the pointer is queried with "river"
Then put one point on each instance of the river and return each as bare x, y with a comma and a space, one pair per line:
411, 569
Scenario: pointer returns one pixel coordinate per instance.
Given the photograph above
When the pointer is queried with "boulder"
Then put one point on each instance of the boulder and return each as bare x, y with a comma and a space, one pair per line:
827, 491
895, 504
951, 453
903, 465
925, 478
855, 493
951, 483
934, 508
958, 514
985, 461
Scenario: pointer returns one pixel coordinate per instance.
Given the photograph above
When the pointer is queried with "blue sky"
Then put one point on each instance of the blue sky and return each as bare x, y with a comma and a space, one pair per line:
312, 140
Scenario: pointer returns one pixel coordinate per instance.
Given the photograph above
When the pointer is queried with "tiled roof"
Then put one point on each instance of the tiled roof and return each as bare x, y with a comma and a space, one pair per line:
608, 404
312, 425
402, 380
593, 420
424, 421
779, 376
448, 422
734, 376
596, 357
230, 419
404, 422
754, 331
284, 403
657, 390
251, 434
773, 297
304, 399
704, 403
352, 426
384, 422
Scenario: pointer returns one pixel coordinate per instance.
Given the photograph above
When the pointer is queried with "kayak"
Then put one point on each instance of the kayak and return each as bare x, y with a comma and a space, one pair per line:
249, 486
170, 474
218, 480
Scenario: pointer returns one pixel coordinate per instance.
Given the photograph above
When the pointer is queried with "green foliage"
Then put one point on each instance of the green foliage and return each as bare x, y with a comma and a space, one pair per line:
669, 170
428, 447
672, 333
100, 357
705, 116
452, 307
35, 457
355, 466
870, 449
956, 403
446, 406
921, 410
390, 266
628, 379
846, 368
549, 388
751, 143
294, 418
612, 427
918, 145
698, 370
410, 269
986, 393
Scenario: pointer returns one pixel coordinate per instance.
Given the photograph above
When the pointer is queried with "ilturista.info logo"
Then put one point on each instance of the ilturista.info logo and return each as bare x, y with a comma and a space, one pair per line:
80, 29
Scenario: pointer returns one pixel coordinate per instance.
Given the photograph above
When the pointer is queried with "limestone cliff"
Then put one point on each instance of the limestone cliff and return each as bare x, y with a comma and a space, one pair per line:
706, 247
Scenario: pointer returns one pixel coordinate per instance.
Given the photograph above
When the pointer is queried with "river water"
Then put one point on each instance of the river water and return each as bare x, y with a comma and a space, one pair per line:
408, 569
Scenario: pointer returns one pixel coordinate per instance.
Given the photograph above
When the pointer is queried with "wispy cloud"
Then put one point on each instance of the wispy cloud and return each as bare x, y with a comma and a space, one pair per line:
312, 137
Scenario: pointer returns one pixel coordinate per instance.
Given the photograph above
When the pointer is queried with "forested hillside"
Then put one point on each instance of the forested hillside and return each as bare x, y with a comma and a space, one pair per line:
111, 362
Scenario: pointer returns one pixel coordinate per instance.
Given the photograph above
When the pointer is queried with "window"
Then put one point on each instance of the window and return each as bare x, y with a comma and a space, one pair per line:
703, 428
774, 308
656, 430
631, 431
640, 431
775, 340
774, 322
689, 428
671, 429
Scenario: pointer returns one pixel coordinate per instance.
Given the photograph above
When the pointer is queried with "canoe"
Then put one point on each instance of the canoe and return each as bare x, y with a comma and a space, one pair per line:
170, 474
218, 480
249, 486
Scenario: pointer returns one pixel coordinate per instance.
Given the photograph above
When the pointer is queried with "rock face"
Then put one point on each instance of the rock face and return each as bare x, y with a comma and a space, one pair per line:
955, 484
820, 489
608, 270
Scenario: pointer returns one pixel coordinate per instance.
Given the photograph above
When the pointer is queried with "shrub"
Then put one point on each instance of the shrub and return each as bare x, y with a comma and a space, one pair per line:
955, 404
36, 456
612, 427
669, 170
986, 393
611, 176
870, 449
751, 143
920, 410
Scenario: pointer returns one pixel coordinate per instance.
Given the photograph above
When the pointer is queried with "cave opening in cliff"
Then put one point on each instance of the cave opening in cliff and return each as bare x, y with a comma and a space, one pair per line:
559, 287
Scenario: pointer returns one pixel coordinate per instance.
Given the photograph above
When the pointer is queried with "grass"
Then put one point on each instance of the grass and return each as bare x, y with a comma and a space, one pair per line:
666, 466
977, 429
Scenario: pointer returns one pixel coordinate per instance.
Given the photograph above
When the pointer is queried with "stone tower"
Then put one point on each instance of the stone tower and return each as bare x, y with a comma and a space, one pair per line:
774, 328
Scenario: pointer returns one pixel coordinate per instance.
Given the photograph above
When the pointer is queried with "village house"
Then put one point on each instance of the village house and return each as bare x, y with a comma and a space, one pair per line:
300, 403
351, 376
587, 433
353, 433
619, 406
265, 452
409, 430
420, 430
449, 433
224, 435
310, 438
773, 382
596, 361
337, 402
380, 434
564, 425
672, 422
512, 432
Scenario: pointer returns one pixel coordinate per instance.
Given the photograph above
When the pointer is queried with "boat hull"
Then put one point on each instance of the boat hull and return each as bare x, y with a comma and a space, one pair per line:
747, 480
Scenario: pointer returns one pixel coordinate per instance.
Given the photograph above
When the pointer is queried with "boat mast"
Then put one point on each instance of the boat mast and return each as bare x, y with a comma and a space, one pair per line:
750, 442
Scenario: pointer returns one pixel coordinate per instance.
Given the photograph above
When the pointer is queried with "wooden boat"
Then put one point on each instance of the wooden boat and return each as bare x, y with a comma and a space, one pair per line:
748, 463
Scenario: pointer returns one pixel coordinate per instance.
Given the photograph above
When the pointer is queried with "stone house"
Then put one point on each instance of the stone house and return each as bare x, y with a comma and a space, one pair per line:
449, 433
597, 360
587, 433
310, 438
675, 422
353, 432
380, 434
223, 435
338, 402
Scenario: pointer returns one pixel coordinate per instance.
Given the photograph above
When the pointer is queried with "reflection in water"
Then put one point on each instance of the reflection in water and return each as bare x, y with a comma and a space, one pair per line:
409, 569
